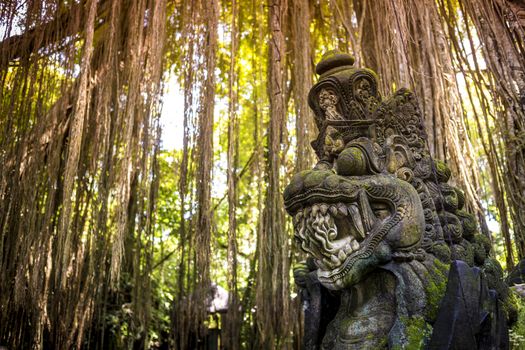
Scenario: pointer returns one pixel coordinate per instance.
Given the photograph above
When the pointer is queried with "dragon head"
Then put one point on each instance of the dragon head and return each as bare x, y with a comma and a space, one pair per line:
356, 210
352, 224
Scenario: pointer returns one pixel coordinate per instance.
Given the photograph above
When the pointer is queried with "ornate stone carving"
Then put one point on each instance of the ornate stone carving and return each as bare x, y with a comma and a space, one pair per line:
379, 222
328, 103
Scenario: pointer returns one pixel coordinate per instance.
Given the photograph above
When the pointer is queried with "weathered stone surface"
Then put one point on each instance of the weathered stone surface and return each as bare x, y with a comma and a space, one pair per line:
470, 315
381, 224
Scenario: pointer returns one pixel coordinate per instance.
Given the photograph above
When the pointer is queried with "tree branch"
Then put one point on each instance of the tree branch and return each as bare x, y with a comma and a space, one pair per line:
47, 33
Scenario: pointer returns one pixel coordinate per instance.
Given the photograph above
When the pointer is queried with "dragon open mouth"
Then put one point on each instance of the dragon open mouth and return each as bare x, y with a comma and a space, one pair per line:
333, 232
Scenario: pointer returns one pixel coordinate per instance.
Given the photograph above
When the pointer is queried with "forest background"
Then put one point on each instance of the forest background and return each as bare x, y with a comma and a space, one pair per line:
145, 144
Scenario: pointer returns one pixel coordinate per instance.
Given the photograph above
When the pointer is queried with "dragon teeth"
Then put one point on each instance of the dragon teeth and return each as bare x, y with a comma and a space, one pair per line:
335, 260
342, 209
355, 245
367, 213
327, 263
321, 264
359, 225
324, 208
356, 219
307, 211
341, 255
333, 210
315, 209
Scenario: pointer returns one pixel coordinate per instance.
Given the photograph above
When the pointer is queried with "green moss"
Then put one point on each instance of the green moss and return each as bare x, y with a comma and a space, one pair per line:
461, 197
383, 344
441, 251
435, 292
332, 182
468, 221
484, 241
351, 161
371, 338
480, 255
442, 170
417, 332
314, 178
442, 267
436, 287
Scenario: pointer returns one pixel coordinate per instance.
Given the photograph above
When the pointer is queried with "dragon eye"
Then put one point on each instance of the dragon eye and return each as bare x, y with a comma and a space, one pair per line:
351, 162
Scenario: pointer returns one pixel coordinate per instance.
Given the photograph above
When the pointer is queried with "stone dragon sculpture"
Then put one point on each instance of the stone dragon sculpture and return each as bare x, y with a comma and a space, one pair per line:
382, 227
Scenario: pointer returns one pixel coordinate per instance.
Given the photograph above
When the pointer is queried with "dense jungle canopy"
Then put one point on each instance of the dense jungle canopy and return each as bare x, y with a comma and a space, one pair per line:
114, 228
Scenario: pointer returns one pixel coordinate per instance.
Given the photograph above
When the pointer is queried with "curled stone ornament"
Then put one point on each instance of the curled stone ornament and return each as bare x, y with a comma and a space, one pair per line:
394, 260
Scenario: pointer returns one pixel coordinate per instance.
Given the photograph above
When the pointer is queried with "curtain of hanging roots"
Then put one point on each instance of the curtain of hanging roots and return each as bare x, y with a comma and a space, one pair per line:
180, 307
495, 71
204, 168
232, 322
502, 35
78, 99
199, 44
272, 294
302, 80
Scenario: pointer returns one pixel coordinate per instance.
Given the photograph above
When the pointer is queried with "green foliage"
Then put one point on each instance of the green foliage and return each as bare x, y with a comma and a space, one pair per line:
517, 333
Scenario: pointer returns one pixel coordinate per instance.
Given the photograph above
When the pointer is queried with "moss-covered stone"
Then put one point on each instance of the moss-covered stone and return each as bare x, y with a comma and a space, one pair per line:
479, 253
352, 162
461, 197
314, 178
402, 269
333, 59
468, 221
331, 182
436, 287
442, 252
463, 251
417, 332
442, 170
494, 275
484, 241
296, 184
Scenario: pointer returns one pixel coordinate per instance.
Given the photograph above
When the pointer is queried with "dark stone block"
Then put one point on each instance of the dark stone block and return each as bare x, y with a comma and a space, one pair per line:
470, 315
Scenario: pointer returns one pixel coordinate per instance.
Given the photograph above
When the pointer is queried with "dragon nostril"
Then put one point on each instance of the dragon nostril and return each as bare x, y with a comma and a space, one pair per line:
315, 178
381, 210
331, 182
